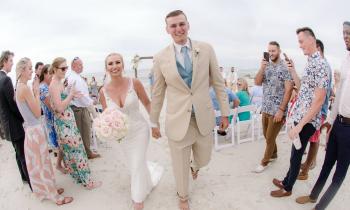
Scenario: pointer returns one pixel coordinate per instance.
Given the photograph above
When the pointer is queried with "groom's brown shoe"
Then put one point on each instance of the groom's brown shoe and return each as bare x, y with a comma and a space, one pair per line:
304, 200
280, 193
278, 183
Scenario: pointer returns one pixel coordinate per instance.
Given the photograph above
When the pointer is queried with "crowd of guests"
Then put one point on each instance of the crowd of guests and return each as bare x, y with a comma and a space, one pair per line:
56, 115
304, 103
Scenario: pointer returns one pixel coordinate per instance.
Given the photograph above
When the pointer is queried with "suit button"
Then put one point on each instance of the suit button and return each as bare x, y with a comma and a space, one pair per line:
191, 94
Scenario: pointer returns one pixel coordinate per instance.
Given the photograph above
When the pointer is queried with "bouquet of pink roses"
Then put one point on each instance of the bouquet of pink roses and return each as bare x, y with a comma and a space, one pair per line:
112, 124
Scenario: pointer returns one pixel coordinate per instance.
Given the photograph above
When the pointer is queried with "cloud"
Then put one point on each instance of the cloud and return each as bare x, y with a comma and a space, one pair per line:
238, 30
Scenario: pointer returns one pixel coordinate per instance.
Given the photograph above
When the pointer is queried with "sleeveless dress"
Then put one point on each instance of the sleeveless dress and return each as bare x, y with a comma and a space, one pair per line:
49, 117
37, 156
144, 175
71, 144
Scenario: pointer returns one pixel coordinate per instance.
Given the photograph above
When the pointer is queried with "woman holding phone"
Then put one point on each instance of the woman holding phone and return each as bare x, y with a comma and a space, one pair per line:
74, 154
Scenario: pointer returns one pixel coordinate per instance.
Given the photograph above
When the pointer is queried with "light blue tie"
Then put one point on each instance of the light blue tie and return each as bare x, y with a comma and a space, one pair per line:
187, 59
188, 65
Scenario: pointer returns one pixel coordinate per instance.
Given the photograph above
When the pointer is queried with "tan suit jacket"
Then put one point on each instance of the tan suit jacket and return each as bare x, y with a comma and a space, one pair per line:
180, 97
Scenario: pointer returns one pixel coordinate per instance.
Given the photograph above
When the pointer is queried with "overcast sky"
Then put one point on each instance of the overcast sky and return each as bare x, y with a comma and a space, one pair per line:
238, 30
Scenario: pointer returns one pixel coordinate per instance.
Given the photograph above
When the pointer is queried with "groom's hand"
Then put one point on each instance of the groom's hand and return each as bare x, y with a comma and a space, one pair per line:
156, 132
224, 123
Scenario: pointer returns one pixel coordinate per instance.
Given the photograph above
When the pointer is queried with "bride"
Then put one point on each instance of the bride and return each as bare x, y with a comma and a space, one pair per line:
124, 94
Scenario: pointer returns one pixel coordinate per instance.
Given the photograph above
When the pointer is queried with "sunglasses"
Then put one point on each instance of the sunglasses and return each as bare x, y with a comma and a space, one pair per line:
63, 69
75, 58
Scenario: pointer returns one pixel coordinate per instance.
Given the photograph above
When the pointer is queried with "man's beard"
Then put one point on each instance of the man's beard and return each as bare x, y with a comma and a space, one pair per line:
274, 60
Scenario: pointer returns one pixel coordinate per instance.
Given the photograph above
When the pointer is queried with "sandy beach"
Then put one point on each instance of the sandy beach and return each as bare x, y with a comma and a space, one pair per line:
227, 183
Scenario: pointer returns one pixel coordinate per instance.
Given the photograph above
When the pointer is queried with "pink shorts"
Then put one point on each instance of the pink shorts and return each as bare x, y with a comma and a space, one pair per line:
316, 136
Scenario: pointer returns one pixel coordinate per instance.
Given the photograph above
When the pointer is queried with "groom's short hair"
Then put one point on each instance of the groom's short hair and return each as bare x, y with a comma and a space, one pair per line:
174, 14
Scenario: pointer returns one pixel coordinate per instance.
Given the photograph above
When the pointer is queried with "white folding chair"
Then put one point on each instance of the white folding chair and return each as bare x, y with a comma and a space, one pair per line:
216, 137
258, 120
250, 123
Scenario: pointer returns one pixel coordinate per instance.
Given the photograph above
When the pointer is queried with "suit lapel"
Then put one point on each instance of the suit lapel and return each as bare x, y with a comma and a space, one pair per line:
172, 66
195, 51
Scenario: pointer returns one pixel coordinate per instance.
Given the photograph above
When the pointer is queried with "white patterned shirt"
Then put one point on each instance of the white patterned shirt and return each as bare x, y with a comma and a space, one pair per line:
316, 75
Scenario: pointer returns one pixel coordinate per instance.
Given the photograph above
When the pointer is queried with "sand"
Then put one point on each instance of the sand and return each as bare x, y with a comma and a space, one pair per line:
227, 183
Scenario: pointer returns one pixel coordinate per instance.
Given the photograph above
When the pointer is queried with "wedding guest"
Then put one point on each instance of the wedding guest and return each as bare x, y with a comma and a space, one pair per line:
338, 146
306, 113
277, 85
244, 98
35, 147
45, 80
70, 141
310, 162
11, 118
80, 106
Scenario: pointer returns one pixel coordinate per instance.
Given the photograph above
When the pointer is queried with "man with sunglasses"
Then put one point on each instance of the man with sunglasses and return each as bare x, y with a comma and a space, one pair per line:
81, 105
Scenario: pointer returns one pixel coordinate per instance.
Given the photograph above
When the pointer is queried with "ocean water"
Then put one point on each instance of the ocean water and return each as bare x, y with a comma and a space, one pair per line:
143, 74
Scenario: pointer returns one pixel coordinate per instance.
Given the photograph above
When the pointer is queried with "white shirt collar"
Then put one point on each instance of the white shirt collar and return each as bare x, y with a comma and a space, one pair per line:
178, 46
3, 71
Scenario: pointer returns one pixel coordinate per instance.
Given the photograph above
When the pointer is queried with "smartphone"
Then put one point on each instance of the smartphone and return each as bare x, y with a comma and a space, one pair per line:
267, 56
286, 57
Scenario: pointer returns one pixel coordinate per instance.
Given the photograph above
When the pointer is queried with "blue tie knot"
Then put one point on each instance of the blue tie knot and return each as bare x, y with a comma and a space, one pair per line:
184, 49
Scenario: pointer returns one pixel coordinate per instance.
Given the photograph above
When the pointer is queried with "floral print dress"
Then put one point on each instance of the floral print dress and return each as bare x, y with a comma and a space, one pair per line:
49, 117
71, 144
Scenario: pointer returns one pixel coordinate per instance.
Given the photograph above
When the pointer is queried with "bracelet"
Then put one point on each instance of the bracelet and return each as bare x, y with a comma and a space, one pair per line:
283, 110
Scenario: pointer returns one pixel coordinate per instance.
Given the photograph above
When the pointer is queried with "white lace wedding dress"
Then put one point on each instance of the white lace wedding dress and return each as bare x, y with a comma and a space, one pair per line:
144, 174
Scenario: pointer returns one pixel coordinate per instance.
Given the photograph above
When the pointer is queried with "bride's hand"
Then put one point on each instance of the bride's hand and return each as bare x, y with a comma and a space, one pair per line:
156, 133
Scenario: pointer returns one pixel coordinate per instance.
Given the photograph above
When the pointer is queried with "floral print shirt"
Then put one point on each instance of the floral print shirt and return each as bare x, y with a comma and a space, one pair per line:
316, 75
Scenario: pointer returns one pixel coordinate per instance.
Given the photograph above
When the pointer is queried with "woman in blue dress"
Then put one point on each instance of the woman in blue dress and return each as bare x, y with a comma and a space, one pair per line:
45, 80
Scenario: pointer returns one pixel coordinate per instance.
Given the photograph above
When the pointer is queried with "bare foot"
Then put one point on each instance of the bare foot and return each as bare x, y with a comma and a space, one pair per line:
138, 206
94, 185
61, 169
183, 205
60, 191
66, 200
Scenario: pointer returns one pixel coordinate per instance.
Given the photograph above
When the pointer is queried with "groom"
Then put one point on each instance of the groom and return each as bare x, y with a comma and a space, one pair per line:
185, 70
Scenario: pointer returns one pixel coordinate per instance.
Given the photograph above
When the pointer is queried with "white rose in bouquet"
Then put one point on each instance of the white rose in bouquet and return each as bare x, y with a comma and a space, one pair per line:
112, 124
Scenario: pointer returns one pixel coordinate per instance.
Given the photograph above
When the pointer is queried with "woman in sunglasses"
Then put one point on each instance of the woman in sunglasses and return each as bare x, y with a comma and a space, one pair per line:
35, 146
70, 141
45, 80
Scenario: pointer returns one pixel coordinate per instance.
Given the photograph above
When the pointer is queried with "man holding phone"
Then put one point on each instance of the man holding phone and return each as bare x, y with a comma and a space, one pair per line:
306, 114
277, 89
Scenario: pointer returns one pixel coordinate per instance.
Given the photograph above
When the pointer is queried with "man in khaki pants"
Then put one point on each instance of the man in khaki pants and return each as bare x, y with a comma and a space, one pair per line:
185, 70
277, 89
81, 106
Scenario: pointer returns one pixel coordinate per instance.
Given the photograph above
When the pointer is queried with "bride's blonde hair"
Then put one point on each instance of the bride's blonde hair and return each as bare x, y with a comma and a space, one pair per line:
117, 54
107, 77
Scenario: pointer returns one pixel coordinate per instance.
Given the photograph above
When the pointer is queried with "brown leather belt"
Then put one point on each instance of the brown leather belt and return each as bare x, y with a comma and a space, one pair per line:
343, 120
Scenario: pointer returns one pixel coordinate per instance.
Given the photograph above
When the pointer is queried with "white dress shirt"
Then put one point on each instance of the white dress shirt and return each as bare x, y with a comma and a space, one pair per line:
342, 99
178, 54
80, 85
